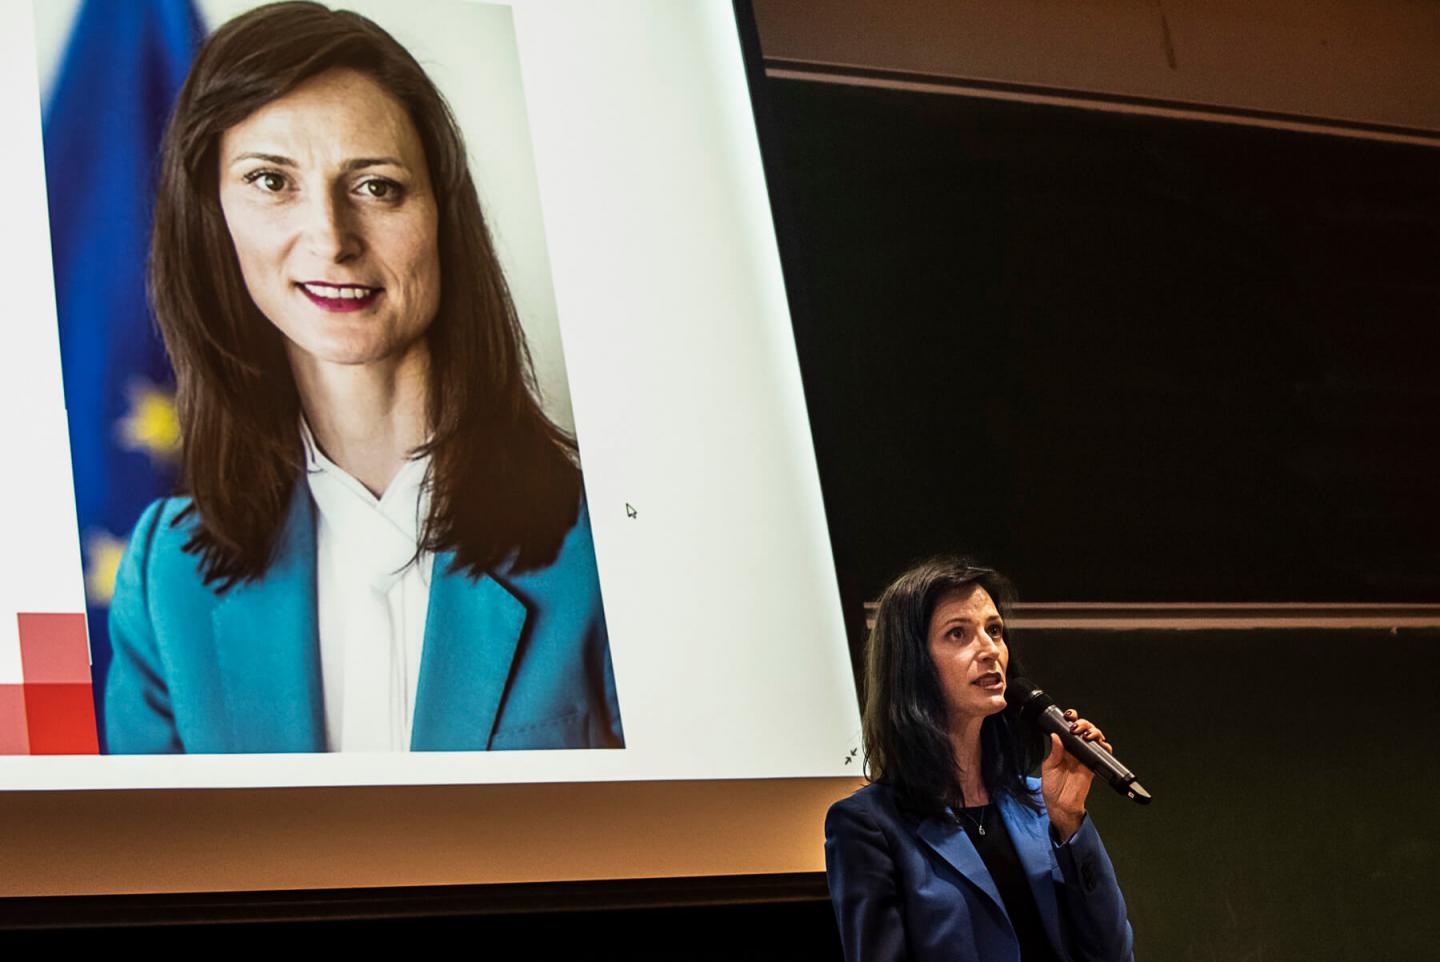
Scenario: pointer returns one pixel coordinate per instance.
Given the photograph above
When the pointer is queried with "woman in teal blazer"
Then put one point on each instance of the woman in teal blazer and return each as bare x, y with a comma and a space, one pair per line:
320, 266
953, 853
510, 661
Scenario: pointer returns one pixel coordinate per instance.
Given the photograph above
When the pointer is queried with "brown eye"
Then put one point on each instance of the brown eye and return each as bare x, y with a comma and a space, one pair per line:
380, 189
268, 181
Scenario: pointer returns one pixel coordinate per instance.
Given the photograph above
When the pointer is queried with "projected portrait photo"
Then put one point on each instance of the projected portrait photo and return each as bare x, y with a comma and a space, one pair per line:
377, 538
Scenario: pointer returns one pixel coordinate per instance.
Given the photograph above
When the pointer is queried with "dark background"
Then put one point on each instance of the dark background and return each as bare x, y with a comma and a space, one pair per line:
1120, 357
1129, 358
1294, 782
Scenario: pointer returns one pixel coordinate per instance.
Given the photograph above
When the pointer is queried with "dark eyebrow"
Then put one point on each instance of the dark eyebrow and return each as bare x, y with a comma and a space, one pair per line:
965, 620
359, 163
275, 159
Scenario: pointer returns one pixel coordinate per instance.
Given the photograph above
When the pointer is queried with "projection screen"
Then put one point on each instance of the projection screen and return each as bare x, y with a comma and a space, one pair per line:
655, 682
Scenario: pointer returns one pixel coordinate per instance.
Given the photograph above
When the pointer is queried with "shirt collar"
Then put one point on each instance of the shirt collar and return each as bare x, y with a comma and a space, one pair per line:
405, 503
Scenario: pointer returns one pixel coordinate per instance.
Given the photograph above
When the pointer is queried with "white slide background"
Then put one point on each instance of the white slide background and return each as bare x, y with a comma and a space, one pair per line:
725, 622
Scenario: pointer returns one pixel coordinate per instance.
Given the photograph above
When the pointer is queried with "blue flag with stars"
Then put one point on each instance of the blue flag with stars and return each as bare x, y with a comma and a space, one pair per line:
122, 69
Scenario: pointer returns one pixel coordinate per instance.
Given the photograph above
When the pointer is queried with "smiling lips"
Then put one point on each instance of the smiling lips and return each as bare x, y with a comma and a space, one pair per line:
340, 297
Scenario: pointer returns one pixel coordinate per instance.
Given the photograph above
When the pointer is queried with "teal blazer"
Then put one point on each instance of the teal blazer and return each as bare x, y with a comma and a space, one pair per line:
509, 660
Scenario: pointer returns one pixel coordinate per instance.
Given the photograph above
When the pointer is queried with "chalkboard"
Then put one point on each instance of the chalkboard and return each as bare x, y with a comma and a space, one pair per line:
1294, 783
1121, 357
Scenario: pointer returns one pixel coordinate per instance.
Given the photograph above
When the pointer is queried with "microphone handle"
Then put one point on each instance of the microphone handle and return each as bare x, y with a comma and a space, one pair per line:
1092, 756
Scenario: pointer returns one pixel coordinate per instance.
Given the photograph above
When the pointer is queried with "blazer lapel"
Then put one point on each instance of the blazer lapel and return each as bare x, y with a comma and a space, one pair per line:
1030, 833
267, 646
952, 844
472, 629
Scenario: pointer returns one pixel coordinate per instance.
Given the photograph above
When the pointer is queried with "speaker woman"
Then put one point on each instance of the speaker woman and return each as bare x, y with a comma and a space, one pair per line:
954, 851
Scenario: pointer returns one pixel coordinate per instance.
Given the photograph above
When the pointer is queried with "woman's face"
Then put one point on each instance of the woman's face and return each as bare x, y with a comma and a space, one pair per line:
967, 646
328, 201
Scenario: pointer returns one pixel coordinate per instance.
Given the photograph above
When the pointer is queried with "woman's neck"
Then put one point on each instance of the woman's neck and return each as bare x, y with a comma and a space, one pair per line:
965, 747
367, 418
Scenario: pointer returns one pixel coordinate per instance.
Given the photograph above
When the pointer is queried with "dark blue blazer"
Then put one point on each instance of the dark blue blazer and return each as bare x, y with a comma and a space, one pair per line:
509, 661
907, 889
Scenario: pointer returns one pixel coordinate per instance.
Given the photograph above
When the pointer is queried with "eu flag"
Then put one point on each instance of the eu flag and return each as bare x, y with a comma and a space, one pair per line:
122, 69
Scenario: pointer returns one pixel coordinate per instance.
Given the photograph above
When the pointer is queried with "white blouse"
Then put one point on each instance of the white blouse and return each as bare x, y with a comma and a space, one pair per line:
372, 595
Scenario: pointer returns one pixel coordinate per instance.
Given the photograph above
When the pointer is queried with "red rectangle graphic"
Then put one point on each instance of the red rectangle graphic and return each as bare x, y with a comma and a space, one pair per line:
61, 719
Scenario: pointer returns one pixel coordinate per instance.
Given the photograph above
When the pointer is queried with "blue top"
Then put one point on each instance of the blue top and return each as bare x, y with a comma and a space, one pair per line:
918, 890
509, 660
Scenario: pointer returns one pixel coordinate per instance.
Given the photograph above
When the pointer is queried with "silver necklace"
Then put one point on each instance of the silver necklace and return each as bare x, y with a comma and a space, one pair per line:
979, 823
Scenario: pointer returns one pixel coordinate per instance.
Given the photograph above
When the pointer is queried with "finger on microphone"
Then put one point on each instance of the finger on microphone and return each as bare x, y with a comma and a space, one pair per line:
1035, 707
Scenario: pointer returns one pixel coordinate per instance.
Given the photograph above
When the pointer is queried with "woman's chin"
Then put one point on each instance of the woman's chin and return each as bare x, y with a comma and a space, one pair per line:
345, 349
992, 704
981, 707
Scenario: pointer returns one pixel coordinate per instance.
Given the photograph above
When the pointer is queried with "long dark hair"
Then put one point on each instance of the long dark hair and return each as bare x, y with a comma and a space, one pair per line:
907, 740
505, 487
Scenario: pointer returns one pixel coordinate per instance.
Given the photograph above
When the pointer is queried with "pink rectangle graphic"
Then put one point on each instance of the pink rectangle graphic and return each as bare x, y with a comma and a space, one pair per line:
53, 648
14, 734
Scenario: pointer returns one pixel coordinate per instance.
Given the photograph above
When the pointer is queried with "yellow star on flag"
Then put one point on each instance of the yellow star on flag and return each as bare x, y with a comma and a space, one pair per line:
102, 560
151, 426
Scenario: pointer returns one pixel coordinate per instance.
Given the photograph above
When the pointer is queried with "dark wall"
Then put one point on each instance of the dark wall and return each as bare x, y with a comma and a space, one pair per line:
1294, 813
1120, 357
1126, 358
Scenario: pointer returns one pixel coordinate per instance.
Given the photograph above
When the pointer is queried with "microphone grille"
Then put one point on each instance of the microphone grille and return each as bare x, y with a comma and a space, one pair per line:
1026, 697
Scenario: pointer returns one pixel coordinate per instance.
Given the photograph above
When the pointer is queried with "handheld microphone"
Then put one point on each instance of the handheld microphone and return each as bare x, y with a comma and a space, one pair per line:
1039, 709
